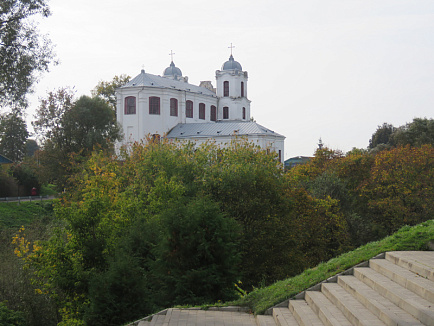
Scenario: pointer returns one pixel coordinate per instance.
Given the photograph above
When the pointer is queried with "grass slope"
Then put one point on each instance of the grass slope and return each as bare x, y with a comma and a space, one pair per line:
407, 238
14, 215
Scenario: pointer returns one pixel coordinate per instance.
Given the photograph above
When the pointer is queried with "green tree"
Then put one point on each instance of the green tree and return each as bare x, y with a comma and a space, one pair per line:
70, 130
383, 135
416, 133
24, 54
31, 147
107, 89
88, 123
26, 177
13, 135
197, 254
48, 124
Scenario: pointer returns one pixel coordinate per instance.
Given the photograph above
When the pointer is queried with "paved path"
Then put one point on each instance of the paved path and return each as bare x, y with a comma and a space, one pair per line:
25, 198
184, 317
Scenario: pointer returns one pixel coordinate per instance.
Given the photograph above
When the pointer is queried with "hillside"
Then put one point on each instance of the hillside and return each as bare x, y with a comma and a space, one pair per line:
20, 299
407, 238
15, 215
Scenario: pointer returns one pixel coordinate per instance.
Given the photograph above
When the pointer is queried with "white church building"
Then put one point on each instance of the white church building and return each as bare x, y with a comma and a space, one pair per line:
168, 106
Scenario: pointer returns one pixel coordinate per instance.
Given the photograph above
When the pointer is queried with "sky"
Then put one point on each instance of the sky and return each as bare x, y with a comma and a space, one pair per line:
329, 69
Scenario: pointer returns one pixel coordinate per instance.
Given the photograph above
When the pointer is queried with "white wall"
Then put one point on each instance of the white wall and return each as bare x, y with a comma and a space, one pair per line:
142, 123
274, 143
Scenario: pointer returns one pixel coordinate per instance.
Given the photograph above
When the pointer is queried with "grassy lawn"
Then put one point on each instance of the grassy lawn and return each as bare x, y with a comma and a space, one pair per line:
407, 238
14, 215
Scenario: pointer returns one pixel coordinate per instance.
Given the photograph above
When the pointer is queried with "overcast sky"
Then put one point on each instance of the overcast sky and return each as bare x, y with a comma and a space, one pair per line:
334, 69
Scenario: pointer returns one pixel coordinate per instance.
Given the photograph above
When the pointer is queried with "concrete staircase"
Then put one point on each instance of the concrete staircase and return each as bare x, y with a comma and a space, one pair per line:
397, 290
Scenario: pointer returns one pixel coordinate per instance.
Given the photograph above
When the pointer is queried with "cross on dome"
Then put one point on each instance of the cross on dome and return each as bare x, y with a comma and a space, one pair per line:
172, 71
231, 64
231, 47
171, 55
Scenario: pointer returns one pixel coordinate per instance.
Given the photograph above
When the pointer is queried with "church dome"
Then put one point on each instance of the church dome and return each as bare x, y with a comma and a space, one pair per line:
231, 64
172, 71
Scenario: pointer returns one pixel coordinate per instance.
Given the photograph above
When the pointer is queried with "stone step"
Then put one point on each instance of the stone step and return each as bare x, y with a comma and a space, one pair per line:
262, 320
356, 313
327, 312
420, 262
386, 311
403, 298
411, 281
303, 314
157, 320
283, 317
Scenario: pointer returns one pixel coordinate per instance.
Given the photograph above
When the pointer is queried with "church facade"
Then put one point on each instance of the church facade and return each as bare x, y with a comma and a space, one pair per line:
168, 106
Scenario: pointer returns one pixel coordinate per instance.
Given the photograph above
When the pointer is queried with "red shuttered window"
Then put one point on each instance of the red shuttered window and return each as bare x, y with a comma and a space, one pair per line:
189, 109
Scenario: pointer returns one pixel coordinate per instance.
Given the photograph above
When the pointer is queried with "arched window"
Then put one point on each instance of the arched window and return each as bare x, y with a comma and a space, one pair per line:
225, 112
173, 107
213, 113
242, 89
189, 109
130, 105
226, 88
202, 111
244, 113
154, 105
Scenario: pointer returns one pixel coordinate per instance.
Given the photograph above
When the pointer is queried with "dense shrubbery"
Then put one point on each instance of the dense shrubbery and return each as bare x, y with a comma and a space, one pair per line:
174, 224
18, 180
377, 193
9, 317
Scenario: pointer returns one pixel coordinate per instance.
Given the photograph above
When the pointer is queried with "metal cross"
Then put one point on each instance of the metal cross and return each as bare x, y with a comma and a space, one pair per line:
231, 47
171, 54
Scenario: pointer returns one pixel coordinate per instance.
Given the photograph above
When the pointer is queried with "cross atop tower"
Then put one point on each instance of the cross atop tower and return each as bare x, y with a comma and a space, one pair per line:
231, 47
171, 55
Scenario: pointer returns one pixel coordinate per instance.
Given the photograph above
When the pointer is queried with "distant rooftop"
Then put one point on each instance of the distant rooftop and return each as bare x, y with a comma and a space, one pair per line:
4, 160
148, 80
297, 160
219, 128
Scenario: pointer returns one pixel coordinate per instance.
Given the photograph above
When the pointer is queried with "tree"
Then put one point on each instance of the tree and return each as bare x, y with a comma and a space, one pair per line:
31, 147
23, 53
197, 255
26, 178
88, 123
416, 133
13, 135
400, 188
383, 135
70, 130
48, 123
106, 90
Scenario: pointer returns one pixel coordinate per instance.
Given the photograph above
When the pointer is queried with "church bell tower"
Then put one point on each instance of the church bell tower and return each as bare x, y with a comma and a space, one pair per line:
232, 92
